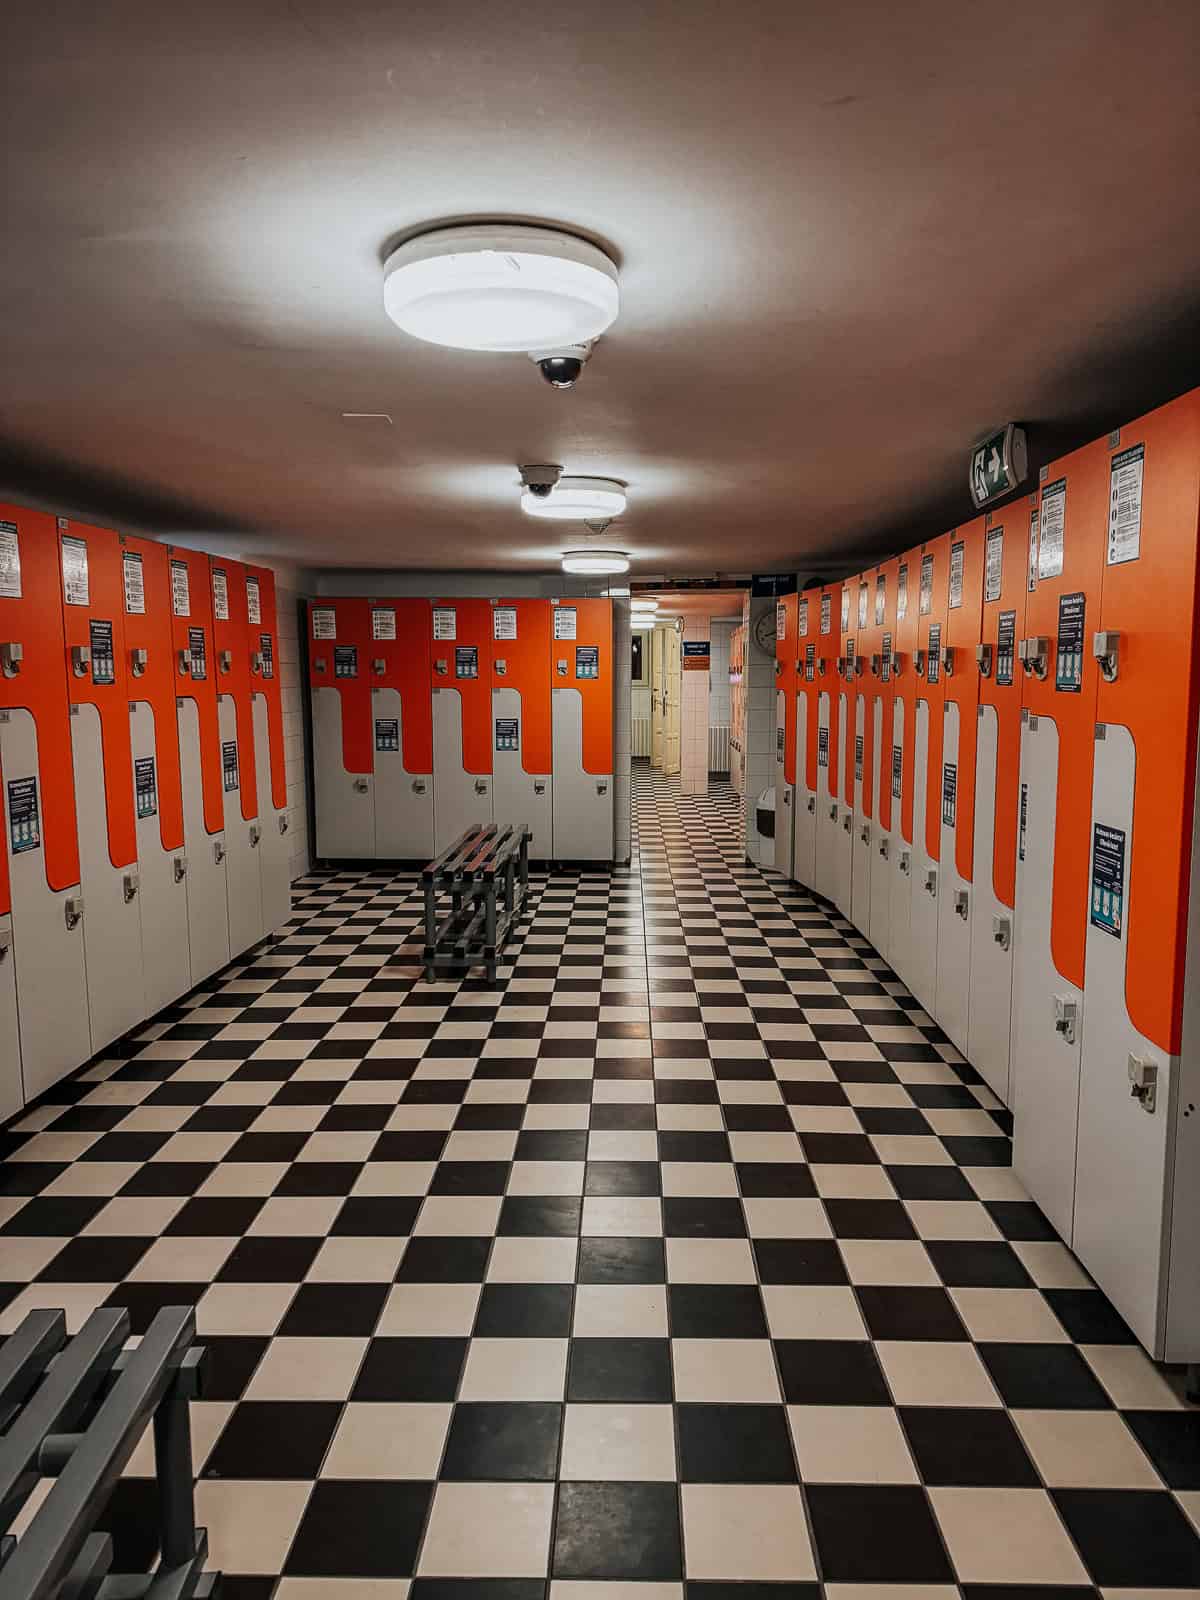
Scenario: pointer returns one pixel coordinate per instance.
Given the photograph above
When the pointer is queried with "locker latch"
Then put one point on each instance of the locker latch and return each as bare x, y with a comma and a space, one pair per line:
1034, 654
501, 667
883, 849
983, 658
778, 667
841, 666
876, 661
1002, 931
129, 886
81, 660
897, 663
1065, 1013
441, 666
812, 803
218, 851
480, 786
256, 661
255, 835
284, 823
320, 664
11, 655
821, 664
1143, 1081
139, 660
931, 883
919, 663
860, 666
418, 786
379, 666
5, 947
948, 660
225, 660
787, 797
185, 664
906, 862
602, 786
847, 822
1105, 648
180, 868
361, 786
833, 813
73, 910
865, 833
539, 786
961, 903
561, 668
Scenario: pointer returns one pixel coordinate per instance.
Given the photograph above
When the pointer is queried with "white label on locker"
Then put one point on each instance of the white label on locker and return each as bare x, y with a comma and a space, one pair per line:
1068, 670
100, 638
197, 653
864, 591
993, 563
1033, 550
229, 765
802, 620
135, 583
181, 589
10, 562
324, 622
24, 824
849, 658
504, 623
779, 744
508, 733
897, 770
387, 733
220, 594
74, 571
1023, 819
958, 557
1125, 505
858, 756
383, 622
933, 656
253, 602
826, 612
822, 747
565, 619
949, 794
145, 787
885, 667
810, 663
902, 592
845, 608
266, 647
1108, 879
445, 622
925, 604
780, 622
880, 599
1050, 533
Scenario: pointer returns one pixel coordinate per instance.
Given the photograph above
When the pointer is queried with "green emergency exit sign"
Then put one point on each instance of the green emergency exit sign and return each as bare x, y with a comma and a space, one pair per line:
998, 464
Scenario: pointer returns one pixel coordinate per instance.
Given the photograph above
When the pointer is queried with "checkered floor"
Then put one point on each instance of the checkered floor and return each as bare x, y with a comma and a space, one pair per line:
687, 1253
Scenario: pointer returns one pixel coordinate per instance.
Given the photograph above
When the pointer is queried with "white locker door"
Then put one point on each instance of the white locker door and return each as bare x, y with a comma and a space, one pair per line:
404, 801
166, 959
583, 801
990, 998
900, 899
784, 795
112, 927
461, 798
827, 807
1045, 1058
921, 973
881, 864
51, 978
519, 796
12, 1094
242, 877
953, 987
843, 839
275, 848
207, 912
860, 877
804, 803
345, 801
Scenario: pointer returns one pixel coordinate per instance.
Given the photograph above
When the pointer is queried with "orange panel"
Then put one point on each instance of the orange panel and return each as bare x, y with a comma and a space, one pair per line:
148, 628
1085, 474
1151, 603
866, 649
785, 677
231, 637
932, 574
406, 669
829, 648
963, 622
593, 630
905, 678
452, 668
527, 669
192, 641
98, 623
342, 662
35, 621
808, 617
1005, 612
263, 637
848, 591
883, 602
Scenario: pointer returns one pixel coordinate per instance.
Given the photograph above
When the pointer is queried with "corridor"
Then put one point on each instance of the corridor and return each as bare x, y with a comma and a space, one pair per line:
687, 1253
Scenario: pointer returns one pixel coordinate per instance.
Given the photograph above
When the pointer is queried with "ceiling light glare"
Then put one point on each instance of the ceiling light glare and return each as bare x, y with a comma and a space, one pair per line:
595, 563
577, 500
500, 287
645, 607
641, 624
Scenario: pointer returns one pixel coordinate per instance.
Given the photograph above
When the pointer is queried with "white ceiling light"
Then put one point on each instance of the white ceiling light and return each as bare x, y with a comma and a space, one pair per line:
595, 563
500, 287
646, 607
641, 624
577, 500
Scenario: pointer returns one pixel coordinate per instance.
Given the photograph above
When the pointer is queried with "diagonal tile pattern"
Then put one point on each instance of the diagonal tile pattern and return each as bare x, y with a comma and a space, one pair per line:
688, 1253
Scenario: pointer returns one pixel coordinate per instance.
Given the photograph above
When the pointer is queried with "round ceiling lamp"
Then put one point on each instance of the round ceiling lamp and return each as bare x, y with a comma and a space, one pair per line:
577, 500
595, 563
500, 286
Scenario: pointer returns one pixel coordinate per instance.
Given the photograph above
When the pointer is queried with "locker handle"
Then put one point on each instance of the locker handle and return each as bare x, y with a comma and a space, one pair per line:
812, 803
225, 660
284, 823
139, 660
905, 862
847, 822
865, 833
983, 658
1034, 654
602, 787
185, 664
1002, 932
218, 852
180, 868
12, 653
256, 661
81, 660
418, 786
129, 886
875, 665
481, 786
1143, 1082
883, 849
539, 786
1065, 1014
361, 786
948, 660
378, 666
5, 947
860, 666
897, 663
1106, 649
255, 835
919, 663
961, 904
833, 813
931, 885
73, 910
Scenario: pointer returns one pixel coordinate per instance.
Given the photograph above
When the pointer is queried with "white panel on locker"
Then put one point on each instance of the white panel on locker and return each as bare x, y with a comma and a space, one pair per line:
804, 803
1047, 1011
843, 839
784, 795
12, 1094
404, 801
162, 876
275, 846
242, 878
881, 865
860, 839
519, 796
954, 900
207, 912
583, 801
112, 928
52, 1001
460, 798
990, 999
901, 870
345, 801
920, 971
827, 806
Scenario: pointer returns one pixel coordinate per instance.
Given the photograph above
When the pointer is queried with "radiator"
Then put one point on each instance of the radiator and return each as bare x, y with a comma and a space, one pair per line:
641, 736
718, 748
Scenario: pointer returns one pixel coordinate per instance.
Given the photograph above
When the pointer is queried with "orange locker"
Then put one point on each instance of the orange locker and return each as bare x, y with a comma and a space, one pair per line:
461, 652
582, 729
339, 652
274, 849
786, 688
884, 779
522, 732
843, 840
402, 723
239, 762
918, 958
804, 801
829, 724
905, 682
861, 754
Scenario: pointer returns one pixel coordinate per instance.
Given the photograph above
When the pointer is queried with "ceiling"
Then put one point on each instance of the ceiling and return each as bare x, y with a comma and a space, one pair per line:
851, 238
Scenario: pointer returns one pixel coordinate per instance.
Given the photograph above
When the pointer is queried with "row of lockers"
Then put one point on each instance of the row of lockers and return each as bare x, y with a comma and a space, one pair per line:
429, 716
143, 784
989, 748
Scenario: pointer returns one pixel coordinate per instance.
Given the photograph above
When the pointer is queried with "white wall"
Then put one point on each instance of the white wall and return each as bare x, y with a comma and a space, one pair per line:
718, 684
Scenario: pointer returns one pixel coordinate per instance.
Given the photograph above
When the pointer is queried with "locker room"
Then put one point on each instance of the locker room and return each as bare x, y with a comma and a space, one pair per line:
599, 734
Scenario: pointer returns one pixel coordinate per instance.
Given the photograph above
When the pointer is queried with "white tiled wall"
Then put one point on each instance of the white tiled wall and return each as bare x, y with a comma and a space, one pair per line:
760, 717
718, 684
693, 716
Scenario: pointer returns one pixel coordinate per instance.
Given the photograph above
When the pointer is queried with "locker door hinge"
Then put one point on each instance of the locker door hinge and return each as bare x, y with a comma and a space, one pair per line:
1106, 647
1066, 1012
983, 659
180, 868
962, 904
1002, 931
129, 886
139, 660
1143, 1082
12, 653
73, 910
931, 883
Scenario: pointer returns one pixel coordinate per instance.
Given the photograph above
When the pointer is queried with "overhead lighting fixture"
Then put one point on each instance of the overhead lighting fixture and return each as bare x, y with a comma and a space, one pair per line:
595, 563
577, 500
499, 286
646, 607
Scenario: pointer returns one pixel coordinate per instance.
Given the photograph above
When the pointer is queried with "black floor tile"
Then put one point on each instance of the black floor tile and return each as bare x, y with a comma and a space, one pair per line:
830, 1372
734, 1444
368, 1529
868, 1533
411, 1369
495, 1440
274, 1439
1043, 1376
979, 1447
619, 1370
716, 1311
524, 1311
1132, 1538
618, 1530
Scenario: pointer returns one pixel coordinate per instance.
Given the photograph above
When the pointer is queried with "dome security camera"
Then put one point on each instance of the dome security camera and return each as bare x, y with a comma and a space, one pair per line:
562, 366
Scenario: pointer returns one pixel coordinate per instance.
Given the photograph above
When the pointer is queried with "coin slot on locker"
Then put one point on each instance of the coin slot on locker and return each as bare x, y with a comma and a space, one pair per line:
343, 757
521, 716
582, 729
461, 647
403, 729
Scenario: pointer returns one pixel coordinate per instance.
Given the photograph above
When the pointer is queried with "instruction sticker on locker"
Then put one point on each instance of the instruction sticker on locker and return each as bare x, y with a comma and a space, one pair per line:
858, 755
810, 662
1108, 879
826, 612
993, 563
780, 622
181, 589
1024, 816
902, 592
24, 822
778, 744
949, 794
104, 666
75, 571
387, 733
266, 646
1125, 505
958, 558
253, 602
822, 747
880, 599
504, 623
445, 622
587, 659
508, 734
229, 765
849, 658
925, 603
802, 620
1006, 646
220, 594
1068, 670
145, 787
933, 656
897, 770
466, 661
10, 562
1033, 550
345, 661
845, 608
134, 578
1051, 529
383, 622
324, 622
885, 666
197, 654
565, 621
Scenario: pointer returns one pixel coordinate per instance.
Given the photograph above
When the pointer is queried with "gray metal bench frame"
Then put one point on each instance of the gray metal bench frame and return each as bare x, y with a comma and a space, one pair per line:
484, 877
